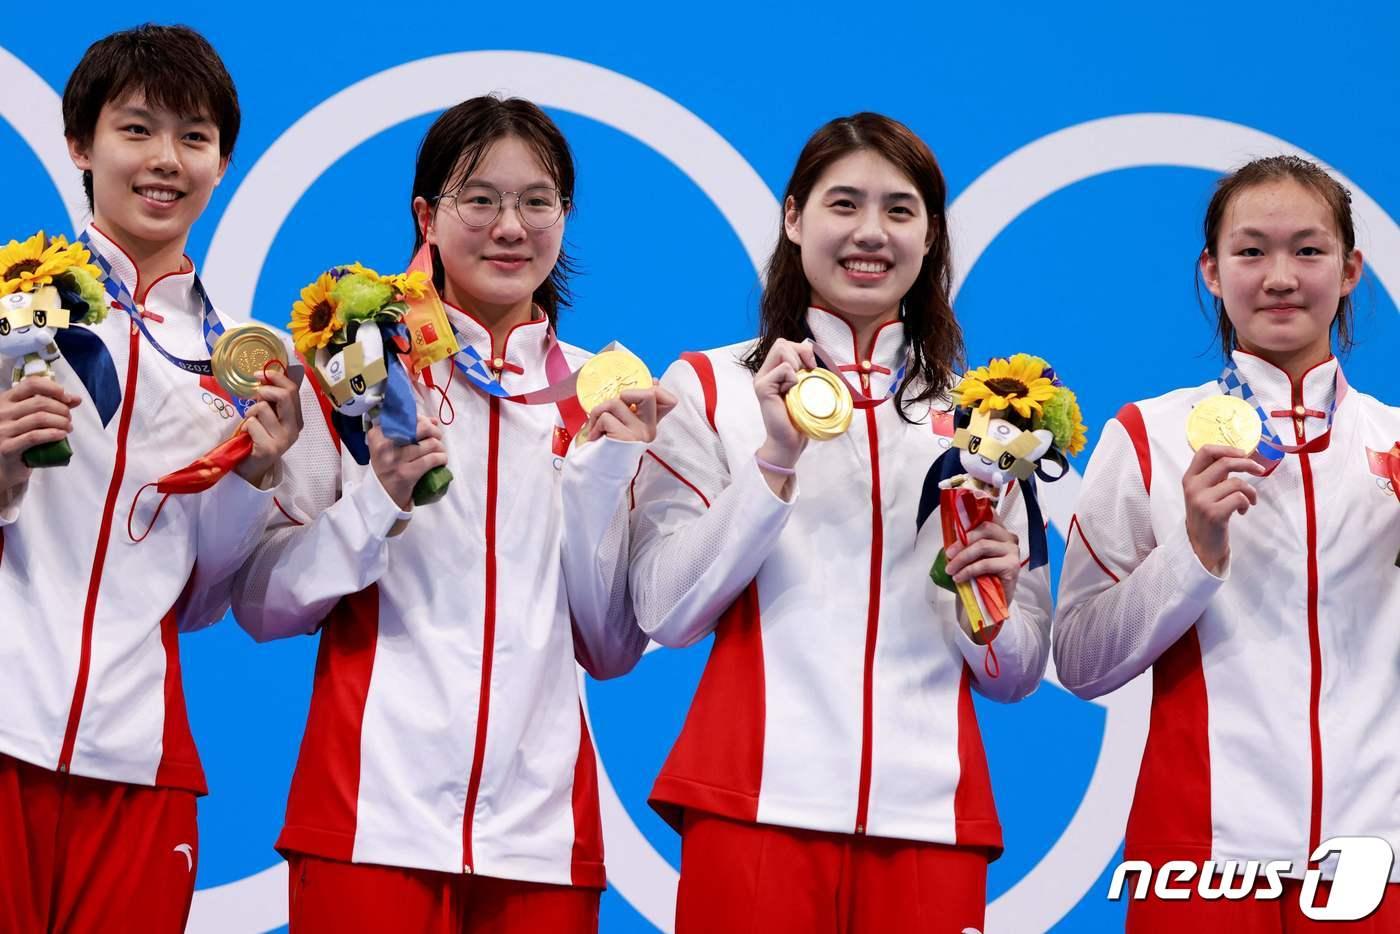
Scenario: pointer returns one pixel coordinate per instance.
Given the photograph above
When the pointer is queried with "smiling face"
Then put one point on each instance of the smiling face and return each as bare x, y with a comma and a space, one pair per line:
494, 270
863, 235
153, 171
1281, 270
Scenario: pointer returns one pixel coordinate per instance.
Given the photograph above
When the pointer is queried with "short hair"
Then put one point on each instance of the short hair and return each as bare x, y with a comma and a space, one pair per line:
174, 66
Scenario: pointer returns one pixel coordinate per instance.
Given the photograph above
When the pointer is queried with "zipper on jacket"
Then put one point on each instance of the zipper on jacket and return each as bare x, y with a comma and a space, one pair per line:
99, 557
1314, 636
872, 623
488, 634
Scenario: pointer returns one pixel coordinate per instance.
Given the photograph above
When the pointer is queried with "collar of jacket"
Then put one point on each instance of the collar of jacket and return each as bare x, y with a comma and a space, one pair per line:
520, 359
1279, 393
172, 293
880, 361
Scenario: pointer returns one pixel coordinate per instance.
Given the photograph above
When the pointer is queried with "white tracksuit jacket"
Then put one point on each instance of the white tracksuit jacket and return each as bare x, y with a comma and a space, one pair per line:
446, 682
88, 646
1275, 685
837, 693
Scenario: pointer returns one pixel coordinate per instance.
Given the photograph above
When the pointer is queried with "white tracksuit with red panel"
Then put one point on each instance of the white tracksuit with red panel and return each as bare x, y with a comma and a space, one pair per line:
88, 647
446, 682
837, 694
1275, 685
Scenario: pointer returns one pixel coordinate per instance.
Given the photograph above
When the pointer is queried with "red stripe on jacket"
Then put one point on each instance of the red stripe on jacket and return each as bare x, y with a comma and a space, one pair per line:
717, 763
322, 802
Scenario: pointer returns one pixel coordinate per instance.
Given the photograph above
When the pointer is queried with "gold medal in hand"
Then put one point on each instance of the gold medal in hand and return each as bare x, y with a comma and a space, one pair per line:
1227, 421
241, 354
820, 404
606, 376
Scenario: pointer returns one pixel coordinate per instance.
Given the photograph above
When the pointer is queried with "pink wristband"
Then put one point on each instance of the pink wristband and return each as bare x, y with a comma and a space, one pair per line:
774, 468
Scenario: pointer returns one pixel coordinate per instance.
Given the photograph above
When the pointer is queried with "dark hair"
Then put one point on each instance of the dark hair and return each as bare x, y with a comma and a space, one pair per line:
1273, 169
455, 145
174, 66
933, 332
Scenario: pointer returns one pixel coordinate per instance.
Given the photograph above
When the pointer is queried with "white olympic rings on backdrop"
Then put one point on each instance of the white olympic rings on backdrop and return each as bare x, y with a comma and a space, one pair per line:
978, 215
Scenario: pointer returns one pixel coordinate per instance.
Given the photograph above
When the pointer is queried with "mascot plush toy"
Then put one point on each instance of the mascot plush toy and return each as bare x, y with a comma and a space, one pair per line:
1012, 418
351, 321
48, 285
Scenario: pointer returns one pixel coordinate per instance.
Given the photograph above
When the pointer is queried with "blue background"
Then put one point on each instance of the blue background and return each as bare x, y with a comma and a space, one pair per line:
1098, 277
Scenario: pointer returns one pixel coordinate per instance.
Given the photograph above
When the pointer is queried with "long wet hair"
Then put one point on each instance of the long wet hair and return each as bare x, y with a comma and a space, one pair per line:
1262, 172
454, 147
934, 336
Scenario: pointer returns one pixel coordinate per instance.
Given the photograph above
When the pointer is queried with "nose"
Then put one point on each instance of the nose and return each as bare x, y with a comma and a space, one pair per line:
1281, 276
165, 155
871, 234
509, 228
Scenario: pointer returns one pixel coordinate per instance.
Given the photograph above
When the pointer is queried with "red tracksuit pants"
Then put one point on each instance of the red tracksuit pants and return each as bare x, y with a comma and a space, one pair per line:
331, 897
1252, 916
740, 878
82, 855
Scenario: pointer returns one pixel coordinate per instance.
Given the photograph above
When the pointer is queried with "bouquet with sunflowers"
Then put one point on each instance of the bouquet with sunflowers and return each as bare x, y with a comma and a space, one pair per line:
46, 285
1012, 417
354, 326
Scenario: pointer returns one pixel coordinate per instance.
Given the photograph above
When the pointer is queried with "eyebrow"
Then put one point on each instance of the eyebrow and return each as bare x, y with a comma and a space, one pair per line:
475, 180
1299, 235
860, 193
144, 114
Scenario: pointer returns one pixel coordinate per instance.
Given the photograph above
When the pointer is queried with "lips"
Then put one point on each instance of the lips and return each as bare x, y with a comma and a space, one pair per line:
508, 262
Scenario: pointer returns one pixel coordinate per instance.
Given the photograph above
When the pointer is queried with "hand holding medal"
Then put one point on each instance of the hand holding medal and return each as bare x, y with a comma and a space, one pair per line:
1225, 432
620, 398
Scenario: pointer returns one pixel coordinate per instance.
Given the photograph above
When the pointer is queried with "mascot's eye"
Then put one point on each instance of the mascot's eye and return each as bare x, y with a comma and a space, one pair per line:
4, 326
1005, 461
41, 319
973, 445
357, 384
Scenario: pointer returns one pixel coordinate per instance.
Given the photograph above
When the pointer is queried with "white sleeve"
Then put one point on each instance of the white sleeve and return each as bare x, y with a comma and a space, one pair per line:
10, 499
324, 543
594, 494
230, 519
1125, 598
1022, 648
702, 526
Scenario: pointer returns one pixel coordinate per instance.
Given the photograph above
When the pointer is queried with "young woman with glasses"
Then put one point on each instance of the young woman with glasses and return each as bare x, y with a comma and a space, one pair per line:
446, 779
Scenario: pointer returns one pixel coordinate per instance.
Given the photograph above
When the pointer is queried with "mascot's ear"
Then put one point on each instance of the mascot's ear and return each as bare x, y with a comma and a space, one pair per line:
1046, 439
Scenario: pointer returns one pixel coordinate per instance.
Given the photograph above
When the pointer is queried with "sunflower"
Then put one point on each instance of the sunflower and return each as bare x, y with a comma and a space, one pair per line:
32, 264
1018, 383
315, 318
409, 284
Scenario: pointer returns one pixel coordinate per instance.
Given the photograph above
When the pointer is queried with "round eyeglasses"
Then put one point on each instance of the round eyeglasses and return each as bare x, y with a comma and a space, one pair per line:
479, 205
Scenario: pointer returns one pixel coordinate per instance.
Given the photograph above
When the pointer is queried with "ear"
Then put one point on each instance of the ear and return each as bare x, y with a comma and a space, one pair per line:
1046, 439
223, 167
1351, 271
80, 154
1210, 272
792, 221
932, 233
423, 214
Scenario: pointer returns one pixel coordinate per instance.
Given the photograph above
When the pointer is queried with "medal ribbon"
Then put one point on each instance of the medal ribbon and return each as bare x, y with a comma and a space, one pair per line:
1272, 449
123, 301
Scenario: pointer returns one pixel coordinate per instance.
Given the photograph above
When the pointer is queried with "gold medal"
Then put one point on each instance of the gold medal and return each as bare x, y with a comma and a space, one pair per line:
240, 355
1227, 421
820, 405
608, 375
